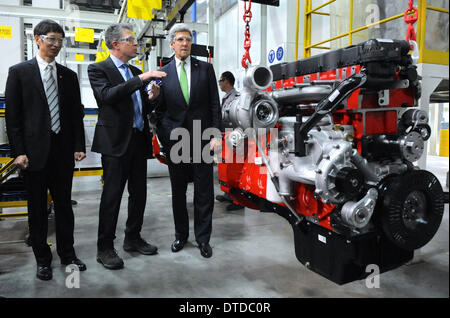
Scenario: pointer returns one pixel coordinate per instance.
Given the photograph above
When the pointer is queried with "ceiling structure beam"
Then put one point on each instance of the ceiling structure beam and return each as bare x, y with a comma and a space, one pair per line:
73, 22
97, 18
68, 34
80, 50
179, 9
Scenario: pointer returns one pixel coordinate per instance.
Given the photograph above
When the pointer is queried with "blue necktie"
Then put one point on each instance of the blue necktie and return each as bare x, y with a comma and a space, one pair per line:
138, 121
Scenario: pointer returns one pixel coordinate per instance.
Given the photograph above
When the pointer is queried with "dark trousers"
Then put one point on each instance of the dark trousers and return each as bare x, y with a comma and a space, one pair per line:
180, 175
132, 166
57, 177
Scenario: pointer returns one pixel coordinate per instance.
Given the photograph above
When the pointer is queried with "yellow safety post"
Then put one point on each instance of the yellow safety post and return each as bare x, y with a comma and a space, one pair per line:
350, 28
13, 215
296, 29
444, 143
307, 30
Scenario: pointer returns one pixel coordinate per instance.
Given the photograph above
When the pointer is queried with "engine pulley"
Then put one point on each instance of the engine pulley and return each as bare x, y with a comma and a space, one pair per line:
350, 181
411, 146
410, 208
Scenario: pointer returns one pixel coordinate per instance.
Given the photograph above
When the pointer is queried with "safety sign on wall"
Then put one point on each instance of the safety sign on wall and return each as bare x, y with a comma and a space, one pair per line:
276, 55
5, 32
79, 57
84, 35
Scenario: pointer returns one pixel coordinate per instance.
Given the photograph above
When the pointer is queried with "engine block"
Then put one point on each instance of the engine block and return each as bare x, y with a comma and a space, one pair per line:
329, 143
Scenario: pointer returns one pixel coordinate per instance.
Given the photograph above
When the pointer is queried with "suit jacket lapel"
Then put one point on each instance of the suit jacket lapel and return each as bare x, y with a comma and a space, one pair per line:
37, 79
116, 77
60, 80
194, 78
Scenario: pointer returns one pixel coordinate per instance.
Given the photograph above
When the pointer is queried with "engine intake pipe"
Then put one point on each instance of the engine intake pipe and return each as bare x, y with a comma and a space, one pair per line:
326, 106
310, 94
258, 78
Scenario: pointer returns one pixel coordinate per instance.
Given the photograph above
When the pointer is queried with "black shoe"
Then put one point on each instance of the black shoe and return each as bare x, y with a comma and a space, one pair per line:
234, 207
205, 250
44, 272
109, 259
223, 198
178, 245
81, 266
139, 245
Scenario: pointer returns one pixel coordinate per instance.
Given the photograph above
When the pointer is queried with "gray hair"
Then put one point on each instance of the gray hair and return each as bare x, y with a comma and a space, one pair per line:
178, 27
114, 33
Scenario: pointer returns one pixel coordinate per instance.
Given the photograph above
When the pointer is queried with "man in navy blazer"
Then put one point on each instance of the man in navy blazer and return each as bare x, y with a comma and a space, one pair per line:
189, 101
44, 122
123, 138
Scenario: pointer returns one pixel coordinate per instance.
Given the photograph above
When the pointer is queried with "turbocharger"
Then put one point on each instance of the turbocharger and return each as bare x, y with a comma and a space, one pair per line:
252, 108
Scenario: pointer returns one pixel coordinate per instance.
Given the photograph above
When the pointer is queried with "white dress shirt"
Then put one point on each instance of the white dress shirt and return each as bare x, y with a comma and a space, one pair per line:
187, 68
43, 65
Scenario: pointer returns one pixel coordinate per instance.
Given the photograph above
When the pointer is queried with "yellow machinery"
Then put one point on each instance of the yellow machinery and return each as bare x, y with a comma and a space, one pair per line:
425, 8
7, 168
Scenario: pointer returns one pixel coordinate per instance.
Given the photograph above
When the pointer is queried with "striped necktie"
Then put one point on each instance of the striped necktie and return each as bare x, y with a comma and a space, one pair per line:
51, 92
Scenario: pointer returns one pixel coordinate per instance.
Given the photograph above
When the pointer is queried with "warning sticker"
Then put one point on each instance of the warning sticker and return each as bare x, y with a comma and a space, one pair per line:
5, 32
322, 239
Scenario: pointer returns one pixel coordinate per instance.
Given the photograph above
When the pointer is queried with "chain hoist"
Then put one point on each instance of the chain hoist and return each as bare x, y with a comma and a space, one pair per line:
246, 60
411, 16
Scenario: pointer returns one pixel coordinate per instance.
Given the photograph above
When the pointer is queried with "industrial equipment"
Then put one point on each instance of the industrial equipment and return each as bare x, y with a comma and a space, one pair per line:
329, 143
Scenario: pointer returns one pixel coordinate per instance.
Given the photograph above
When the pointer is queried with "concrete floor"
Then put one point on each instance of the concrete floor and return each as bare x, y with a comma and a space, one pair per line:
253, 257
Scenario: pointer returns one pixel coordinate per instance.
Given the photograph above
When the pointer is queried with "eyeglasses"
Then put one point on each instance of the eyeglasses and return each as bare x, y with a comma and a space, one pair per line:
53, 39
221, 80
130, 39
181, 39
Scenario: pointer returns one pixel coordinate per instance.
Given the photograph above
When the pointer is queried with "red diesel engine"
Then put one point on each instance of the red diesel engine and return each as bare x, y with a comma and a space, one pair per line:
329, 143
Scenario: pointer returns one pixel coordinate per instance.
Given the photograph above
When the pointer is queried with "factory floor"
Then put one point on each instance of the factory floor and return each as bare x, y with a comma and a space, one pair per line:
253, 256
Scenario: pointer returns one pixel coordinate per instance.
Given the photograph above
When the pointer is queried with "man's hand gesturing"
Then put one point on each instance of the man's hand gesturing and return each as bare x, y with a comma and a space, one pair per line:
152, 74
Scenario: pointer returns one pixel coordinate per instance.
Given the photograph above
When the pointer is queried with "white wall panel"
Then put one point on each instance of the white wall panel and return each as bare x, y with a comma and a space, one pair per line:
276, 25
11, 50
227, 43
229, 35
51, 4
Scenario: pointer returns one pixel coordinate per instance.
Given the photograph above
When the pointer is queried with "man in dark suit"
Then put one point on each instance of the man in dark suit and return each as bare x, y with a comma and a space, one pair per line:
123, 137
189, 99
44, 121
